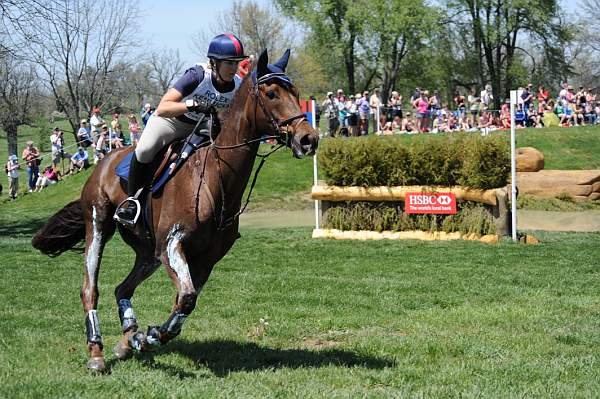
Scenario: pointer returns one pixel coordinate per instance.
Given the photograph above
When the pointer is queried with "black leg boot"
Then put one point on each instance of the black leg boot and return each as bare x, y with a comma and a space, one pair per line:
140, 175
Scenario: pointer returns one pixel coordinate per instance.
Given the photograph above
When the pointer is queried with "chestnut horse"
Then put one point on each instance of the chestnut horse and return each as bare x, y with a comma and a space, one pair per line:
195, 220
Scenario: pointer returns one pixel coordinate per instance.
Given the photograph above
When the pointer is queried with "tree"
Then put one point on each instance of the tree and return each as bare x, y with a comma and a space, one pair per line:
257, 27
497, 28
334, 29
18, 92
77, 52
165, 65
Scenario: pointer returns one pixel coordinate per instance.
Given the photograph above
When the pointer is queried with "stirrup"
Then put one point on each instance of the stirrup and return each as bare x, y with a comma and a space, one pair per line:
129, 223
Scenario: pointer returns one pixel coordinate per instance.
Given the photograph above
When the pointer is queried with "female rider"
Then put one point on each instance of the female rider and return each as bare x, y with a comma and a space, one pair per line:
178, 112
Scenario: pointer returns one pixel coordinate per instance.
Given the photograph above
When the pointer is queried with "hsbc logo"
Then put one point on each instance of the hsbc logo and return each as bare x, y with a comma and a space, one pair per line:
444, 200
434, 203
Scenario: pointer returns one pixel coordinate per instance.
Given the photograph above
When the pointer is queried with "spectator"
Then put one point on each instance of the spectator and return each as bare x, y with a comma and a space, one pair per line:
58, 144
317, 111
116, 132
486, 97
363, 113
460, 102
134, 129
331, 114
31, 157
146, 113
527, 97
395, 106
543, 95
101, 144
374, 104
474, 103
96, 123
352, 109
79, 160
422, 106
416, 95
48, 177
435, 105
12, 171
84, 138
340, 96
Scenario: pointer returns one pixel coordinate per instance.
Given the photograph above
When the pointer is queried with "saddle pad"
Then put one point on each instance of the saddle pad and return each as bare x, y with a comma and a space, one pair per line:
195, 142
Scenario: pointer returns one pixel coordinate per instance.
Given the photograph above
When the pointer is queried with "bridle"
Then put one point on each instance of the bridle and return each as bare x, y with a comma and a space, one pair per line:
283, 136
282, 127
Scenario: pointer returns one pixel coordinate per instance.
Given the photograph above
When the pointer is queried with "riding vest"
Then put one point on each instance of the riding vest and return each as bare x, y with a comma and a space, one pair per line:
206, 92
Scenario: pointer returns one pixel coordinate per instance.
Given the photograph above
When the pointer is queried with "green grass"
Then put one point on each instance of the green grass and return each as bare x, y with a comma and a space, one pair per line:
346, 319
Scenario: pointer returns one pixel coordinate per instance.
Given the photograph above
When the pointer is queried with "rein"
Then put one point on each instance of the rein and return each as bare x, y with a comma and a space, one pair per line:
283, 138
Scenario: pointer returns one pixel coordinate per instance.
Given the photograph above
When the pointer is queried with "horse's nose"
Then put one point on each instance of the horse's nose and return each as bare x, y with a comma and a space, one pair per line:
309, 143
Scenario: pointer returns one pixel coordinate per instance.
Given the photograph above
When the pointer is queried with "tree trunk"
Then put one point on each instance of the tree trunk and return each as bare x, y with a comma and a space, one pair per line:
11, 137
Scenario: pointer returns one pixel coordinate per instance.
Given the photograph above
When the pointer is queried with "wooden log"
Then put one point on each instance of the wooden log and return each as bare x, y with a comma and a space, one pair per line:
382, 193
594, 196
402, 235
561, 176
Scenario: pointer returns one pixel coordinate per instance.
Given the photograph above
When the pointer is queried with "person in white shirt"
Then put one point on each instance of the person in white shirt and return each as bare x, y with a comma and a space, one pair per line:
12, 168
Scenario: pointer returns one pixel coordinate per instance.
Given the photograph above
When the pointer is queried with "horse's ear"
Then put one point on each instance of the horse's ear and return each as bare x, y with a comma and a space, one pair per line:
283, 61
263, 61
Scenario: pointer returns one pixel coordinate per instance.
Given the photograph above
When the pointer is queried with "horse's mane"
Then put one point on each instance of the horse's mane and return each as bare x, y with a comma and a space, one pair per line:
239, 99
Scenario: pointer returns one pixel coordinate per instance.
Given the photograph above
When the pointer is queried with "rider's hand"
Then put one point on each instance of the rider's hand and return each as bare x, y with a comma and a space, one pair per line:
194, 105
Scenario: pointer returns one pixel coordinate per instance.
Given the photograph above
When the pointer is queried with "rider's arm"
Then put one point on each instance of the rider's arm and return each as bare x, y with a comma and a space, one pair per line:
170, 104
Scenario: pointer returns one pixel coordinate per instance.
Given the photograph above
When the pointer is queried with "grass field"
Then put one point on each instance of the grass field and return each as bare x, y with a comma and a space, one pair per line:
345, 319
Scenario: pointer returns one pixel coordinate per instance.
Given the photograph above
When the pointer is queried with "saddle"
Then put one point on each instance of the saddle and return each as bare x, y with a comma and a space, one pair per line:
167, 163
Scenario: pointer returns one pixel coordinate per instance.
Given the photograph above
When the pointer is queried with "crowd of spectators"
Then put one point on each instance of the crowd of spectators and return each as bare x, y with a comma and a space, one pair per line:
96, 136
425, 112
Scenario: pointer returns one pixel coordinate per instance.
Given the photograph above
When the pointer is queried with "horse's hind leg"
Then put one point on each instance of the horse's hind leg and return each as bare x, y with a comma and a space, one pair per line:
98, 231
145, 265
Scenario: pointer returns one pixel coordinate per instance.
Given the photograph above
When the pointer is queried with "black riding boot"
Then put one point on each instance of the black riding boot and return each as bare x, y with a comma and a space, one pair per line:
140, 175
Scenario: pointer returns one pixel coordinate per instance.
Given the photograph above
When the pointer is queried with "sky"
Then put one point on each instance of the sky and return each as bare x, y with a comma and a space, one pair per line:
173, 23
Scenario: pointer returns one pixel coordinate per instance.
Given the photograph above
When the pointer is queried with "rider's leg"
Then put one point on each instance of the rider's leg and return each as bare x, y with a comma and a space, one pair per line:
159, 133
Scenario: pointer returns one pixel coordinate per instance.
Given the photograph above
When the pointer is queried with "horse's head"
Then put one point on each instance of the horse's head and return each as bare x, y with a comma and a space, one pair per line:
279, 107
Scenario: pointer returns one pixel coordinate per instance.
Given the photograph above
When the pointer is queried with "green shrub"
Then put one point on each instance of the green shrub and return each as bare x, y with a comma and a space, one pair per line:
466, 160
379, 216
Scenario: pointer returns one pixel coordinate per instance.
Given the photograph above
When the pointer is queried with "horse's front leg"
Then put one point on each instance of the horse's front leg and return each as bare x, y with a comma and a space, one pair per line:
178, 269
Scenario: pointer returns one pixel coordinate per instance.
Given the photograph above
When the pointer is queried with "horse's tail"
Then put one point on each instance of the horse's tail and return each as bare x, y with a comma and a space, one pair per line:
62, 232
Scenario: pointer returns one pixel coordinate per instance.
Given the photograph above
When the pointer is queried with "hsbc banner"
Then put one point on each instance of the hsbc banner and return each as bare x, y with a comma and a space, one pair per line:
436, 203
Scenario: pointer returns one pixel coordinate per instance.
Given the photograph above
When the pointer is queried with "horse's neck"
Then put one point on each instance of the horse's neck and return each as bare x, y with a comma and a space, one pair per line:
235, 164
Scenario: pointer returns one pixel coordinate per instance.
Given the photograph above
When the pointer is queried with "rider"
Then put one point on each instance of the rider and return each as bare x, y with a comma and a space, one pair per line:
192, 97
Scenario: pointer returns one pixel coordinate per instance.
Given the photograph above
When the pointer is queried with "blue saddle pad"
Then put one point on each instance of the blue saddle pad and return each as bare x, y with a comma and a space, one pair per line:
122, 170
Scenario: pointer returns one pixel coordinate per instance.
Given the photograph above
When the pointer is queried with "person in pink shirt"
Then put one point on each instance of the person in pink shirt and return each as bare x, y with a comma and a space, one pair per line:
134, 129
422, 106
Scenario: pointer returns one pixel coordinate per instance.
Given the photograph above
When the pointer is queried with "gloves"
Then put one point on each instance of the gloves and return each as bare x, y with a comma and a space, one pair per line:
200, 106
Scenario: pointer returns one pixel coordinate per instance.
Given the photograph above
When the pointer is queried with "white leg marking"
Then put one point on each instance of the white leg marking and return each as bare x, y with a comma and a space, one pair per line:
93, 250
176, 261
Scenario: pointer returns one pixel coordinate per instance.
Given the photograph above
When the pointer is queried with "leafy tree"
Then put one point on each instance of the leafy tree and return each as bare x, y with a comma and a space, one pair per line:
335, 27
497, 28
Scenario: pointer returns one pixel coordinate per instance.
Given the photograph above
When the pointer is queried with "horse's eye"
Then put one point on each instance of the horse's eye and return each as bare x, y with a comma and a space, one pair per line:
271, 94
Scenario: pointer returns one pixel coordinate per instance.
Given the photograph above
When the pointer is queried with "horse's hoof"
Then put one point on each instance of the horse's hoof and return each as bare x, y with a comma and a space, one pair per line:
96, 364
123, 351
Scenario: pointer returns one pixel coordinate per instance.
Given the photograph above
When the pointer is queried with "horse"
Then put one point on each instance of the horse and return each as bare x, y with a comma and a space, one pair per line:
194, 221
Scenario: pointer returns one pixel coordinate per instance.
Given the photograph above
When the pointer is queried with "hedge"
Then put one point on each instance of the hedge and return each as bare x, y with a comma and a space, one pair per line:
378, 216
460, 159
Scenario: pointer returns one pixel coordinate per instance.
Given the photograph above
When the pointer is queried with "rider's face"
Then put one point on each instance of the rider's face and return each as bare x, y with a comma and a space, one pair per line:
227, 69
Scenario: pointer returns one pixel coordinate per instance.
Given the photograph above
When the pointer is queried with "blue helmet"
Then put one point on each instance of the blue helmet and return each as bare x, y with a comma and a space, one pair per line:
226, 47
